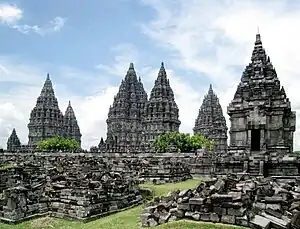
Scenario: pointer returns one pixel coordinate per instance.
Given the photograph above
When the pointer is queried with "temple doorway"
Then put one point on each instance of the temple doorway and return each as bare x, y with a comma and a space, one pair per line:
255, 140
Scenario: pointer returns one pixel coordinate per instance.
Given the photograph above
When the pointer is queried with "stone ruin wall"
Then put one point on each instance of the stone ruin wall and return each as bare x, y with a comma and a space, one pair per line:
174, 167
252, 202
66, 186
84, 185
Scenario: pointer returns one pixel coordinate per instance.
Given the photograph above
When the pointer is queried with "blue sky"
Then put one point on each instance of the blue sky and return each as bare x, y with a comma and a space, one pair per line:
87, 46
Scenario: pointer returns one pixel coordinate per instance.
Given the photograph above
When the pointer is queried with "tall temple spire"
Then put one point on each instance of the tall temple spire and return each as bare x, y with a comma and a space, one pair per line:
262, 103
71, 127
13, 142
161, 113
124, 122
46, 119
211, 122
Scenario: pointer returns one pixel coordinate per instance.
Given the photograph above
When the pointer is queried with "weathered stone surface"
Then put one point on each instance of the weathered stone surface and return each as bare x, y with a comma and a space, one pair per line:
13, 142
73, 186
124, 122
211, 122
226, 205
161, 113
47, 121
71, 127
262, 123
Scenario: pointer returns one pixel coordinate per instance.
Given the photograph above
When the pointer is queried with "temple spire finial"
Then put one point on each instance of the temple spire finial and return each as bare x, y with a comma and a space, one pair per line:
131, 66
258, 38
48, 76
210, 90
69, 103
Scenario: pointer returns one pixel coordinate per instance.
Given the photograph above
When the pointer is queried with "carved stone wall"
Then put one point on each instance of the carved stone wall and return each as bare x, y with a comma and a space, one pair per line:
68, 186
124, 122
161, 113
260, 112
211, 122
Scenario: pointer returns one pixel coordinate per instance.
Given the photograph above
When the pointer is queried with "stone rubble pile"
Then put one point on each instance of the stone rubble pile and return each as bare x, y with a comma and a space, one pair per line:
251, 202
74, 187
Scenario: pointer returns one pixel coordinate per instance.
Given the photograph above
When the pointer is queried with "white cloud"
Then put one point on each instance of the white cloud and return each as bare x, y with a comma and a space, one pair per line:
124, 53
215, 37
54, 25
11, 15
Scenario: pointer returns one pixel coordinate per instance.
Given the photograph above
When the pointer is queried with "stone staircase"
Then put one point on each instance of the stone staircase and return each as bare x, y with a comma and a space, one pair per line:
254, 162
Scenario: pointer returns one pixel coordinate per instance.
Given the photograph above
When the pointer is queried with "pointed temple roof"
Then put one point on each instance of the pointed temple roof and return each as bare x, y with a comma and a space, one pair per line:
71, 127
125, 114
46, 119
162, 88
259, 77
69, 113
161, 113
13, 141
261, 102
211, 122
47, 95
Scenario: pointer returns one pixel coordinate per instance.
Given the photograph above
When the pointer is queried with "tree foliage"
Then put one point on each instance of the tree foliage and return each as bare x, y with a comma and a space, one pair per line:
59, 143
182, 141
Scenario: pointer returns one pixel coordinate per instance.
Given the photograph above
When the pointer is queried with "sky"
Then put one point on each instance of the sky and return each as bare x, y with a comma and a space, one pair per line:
86, 47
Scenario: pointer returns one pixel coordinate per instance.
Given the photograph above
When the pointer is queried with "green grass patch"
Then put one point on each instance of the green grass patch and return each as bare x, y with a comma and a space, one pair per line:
6, 166
129, 219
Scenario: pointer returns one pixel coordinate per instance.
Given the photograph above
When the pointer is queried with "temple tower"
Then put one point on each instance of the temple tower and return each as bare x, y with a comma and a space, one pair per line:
262, 122
13, 142
124, 122
46, 119
161, 114
71, 128
211, 122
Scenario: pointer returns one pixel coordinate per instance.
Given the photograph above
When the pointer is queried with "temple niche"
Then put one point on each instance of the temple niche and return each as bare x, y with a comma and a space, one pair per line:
260, 113
211, 122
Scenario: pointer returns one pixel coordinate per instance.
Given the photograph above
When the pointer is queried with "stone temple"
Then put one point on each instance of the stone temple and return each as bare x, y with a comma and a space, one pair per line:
262, 190
161, 114
262, 123
47, 121
124, 122
211, 122
13, 141
133, 120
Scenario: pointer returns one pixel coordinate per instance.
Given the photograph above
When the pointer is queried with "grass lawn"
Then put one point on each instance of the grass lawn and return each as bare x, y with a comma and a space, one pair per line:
129, 219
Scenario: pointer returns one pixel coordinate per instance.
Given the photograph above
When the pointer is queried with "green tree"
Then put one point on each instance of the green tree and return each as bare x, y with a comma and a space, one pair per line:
58, 143
182, 141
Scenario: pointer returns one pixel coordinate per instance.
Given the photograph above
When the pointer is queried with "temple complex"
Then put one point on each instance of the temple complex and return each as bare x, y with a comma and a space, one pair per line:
211, 122
46, 119
13, 142
262, 123
71, 128
124, 122
161, 114
257, 181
